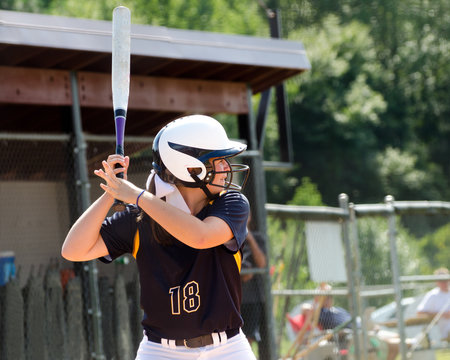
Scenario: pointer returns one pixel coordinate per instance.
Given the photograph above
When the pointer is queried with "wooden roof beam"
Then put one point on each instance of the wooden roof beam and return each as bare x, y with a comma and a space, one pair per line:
52, 87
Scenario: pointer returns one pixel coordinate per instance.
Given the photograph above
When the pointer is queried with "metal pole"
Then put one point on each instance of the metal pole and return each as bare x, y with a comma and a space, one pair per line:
389, 201
284, 121
343, 203
84, 186
358, 277
257, 198
260, 187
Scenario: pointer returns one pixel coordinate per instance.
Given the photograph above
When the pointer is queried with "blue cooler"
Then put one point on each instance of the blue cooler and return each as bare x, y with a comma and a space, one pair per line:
7, 266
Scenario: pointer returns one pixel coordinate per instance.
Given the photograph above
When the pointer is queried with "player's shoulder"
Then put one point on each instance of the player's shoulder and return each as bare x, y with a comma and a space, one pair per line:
231, 199
232, 195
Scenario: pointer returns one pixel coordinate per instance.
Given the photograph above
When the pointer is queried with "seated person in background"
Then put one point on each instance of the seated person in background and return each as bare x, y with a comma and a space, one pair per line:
332, 316
298, 321
437, 300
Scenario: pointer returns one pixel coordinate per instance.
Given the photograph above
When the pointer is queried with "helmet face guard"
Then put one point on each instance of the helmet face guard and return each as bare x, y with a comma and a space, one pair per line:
235, 169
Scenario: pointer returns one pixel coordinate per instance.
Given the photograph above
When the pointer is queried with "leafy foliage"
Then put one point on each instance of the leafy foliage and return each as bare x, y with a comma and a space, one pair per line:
371, 89
228, 16
435, 246
335, 111
307, 194
400, 176
375, 251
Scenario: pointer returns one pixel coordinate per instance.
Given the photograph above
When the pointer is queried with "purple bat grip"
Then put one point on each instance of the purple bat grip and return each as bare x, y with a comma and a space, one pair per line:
120, 131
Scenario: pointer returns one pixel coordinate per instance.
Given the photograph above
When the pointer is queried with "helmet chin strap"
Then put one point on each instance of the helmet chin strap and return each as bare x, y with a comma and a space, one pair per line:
202, 186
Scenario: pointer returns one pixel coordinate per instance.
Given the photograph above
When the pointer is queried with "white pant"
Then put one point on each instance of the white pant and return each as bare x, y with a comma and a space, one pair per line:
235, 348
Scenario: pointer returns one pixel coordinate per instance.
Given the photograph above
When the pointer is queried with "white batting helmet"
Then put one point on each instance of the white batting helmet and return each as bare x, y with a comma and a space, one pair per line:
185, 146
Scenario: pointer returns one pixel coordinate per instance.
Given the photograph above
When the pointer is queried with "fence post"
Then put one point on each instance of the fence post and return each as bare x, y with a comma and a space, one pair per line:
343, 203
389, 201
354, 239
84, 185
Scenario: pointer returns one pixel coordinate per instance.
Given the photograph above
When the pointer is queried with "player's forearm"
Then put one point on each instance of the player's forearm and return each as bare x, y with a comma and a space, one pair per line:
82, 241
183, 226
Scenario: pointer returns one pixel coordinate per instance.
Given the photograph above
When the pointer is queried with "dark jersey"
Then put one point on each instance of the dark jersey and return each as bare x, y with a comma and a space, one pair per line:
185, 292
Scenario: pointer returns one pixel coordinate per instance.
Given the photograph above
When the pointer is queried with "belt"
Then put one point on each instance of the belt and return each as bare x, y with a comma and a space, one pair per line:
196, 342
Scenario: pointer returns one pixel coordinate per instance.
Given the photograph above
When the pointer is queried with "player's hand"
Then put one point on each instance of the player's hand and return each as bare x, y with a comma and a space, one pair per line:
119, 163
118, 188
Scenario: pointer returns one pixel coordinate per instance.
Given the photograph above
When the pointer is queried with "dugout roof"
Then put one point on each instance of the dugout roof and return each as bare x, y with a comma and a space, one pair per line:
173, 72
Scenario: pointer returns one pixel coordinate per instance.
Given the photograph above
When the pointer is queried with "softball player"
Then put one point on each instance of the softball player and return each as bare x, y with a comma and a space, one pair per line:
185, 231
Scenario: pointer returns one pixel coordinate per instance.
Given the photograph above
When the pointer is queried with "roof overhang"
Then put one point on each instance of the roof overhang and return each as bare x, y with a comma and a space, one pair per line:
173, 72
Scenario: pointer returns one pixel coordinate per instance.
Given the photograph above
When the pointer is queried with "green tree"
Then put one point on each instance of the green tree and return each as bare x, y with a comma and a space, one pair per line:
224, 16
406, 86
435, 248
335, 111
401, 177
306, 194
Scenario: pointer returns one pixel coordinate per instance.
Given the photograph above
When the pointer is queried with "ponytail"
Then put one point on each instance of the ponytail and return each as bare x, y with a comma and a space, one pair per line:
160, 235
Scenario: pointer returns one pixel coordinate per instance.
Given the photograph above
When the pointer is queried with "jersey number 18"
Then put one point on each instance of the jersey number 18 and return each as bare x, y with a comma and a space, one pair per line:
191, 298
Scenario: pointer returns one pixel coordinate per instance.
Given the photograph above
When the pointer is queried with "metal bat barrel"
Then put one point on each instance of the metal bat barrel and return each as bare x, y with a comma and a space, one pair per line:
120, 78
121, 39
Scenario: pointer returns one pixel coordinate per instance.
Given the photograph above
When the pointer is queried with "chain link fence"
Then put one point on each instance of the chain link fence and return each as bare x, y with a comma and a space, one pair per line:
378, 256
46, 303
37, 197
